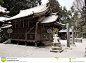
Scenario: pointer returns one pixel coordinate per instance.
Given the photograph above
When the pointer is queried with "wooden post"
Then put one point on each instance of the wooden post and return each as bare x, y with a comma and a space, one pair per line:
26, 31
36, 33
23, 23
68, 39
36, 44
72, 34
18, 43
15, 24
28, 23
25, 43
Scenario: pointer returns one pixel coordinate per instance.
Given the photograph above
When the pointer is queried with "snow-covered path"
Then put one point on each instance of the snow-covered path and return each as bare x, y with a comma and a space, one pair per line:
13, 50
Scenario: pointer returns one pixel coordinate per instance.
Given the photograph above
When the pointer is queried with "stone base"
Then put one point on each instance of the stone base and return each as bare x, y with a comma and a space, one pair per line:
56, 44
56, 49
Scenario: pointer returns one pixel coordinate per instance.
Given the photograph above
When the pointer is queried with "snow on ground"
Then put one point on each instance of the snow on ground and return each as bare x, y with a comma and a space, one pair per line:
14, 50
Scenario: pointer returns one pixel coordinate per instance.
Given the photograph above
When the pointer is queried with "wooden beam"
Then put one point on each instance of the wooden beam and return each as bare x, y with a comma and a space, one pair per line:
26, 32
36, 33
41, 32
15, 24
28, 23
18, 43
41, 18
23, 23
25, 43
19, 25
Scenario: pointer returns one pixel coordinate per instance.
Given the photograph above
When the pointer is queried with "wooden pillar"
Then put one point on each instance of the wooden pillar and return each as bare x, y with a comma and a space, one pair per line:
28, 23
26, 31
23, 23
36, 44
82, 35
72, 34
18, 43
52, 31
36, 33
15, 24
41, 32
68, 37
25, 43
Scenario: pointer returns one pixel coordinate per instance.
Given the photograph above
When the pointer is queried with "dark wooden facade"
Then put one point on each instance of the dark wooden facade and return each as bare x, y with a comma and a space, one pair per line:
30, 29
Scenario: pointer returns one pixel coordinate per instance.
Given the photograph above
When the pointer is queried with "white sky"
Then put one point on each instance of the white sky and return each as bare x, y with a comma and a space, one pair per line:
67, 3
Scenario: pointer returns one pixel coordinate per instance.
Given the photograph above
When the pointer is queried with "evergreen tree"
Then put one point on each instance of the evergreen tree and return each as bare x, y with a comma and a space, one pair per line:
1, 2
14, 6
55, 6
66, 16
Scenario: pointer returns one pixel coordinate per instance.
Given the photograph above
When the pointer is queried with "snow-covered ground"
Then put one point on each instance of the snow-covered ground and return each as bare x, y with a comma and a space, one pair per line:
14, 50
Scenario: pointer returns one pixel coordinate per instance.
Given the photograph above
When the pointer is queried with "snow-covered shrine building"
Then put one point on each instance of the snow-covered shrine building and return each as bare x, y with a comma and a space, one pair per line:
34, 25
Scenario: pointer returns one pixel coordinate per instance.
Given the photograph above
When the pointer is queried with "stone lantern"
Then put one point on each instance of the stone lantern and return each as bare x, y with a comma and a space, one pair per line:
56, 45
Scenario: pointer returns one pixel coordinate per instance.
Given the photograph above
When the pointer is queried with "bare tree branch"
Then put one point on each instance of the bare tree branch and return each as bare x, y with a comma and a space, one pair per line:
78, 4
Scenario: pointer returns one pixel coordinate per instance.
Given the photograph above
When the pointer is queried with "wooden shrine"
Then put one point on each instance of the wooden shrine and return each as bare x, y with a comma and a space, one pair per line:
34, 27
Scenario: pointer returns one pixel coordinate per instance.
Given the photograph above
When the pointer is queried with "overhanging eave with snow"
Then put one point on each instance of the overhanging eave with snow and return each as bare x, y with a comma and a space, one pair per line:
36, 11
52, 19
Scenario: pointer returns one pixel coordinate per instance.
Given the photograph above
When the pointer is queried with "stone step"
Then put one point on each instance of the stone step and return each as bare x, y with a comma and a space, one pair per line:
55, 47
56, 50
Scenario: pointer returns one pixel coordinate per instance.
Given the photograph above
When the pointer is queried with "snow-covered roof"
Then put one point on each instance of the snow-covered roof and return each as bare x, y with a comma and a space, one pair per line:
50, 19
65, 30
2, 9
6, 26
2, 19
30, 11
61, 23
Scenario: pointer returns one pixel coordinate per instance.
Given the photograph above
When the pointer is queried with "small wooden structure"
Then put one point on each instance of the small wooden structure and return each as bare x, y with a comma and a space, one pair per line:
63, 33
34, 25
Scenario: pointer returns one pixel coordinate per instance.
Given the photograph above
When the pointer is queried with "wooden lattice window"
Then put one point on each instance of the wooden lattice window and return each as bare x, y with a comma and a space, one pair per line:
21, 36
15, 30
31, 36
14, 36
22, 30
